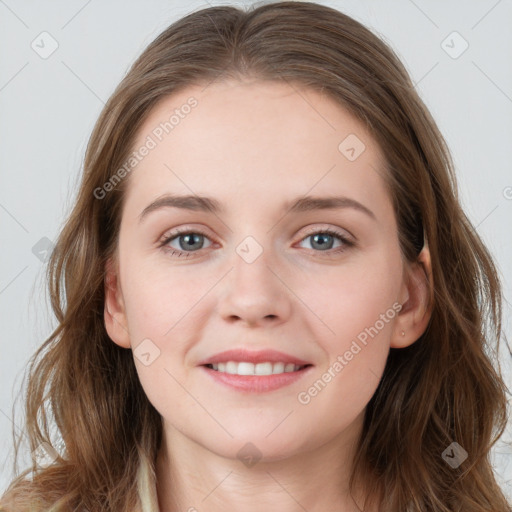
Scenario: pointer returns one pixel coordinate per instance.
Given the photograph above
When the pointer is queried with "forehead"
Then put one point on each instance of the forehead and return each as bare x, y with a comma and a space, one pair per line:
262, 139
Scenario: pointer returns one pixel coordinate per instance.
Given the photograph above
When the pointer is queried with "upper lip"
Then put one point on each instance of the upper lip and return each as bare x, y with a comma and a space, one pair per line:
252, 356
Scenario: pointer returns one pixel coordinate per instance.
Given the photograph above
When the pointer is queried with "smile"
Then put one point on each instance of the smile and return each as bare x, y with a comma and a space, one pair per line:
247, 368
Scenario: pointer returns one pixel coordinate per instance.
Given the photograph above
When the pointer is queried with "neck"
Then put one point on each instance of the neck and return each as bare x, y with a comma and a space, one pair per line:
192, 478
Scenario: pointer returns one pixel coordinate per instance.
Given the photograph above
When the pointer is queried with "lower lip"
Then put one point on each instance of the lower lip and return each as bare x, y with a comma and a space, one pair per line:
257, 383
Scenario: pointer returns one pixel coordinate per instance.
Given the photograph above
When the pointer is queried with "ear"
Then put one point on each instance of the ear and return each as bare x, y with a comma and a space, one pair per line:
416, 292
114, 313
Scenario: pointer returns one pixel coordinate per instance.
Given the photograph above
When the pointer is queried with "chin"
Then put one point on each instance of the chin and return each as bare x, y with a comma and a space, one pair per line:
261, 442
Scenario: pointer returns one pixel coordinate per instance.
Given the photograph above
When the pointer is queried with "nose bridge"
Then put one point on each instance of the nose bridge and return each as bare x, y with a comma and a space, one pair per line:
253, 290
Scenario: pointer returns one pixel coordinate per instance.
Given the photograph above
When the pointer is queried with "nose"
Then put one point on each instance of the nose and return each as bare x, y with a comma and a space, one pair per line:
254, 293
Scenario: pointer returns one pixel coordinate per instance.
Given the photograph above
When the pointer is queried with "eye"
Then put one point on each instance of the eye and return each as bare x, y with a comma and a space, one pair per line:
323, 239
187, 242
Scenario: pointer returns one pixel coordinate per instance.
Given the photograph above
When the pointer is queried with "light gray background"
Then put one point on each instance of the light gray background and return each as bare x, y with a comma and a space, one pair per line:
48, 108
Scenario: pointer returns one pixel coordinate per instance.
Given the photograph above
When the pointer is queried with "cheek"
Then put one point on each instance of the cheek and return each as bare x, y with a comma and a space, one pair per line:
356, 353
357, 305
159, 307
159, 298
352, 298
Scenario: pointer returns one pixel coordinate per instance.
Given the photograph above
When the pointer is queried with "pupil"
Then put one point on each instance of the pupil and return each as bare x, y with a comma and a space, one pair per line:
189, 240
321, 244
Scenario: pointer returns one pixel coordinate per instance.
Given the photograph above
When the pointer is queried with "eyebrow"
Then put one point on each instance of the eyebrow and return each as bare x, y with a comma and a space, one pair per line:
211, 205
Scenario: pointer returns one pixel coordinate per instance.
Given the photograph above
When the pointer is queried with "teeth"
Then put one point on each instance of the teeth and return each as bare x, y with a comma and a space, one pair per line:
278, 368
231, 367
245, 368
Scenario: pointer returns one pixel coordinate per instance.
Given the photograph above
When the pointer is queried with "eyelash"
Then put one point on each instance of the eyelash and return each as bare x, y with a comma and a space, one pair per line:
186, 231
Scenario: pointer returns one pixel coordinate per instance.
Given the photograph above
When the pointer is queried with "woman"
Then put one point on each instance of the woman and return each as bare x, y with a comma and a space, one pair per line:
185, 377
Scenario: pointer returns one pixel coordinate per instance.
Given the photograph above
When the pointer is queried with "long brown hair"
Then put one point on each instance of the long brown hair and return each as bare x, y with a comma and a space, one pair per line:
442, 389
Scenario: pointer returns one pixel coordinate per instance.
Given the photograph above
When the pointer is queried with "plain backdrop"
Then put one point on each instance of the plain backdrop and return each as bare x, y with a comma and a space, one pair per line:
458, 53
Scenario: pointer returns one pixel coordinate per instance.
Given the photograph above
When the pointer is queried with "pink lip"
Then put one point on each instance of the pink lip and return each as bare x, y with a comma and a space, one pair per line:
260, 356
256, 383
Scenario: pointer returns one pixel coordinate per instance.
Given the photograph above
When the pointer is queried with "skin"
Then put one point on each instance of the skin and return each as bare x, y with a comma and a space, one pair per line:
253, 146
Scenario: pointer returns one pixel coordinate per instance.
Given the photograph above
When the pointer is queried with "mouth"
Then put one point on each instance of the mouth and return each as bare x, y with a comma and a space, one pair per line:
246, 368
255, 378
251, 371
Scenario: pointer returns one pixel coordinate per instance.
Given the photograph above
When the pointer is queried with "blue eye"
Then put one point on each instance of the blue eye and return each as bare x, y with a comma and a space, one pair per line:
188, 241
191, 241
324, 238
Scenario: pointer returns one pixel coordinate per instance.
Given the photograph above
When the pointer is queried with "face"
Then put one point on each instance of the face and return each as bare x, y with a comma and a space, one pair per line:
316, 288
